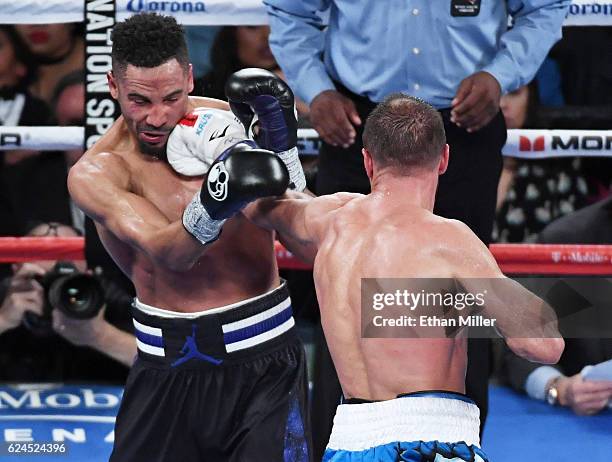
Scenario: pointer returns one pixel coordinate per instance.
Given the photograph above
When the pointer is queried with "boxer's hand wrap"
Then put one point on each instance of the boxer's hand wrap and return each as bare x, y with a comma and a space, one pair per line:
257, 92
199, 223
296, 173
240, 175
200, 137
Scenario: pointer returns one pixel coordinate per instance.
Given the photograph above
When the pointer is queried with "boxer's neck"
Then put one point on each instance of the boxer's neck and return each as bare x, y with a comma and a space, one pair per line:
418, 190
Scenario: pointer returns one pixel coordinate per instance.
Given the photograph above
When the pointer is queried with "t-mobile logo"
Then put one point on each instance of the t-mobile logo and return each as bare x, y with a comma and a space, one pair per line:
525, 144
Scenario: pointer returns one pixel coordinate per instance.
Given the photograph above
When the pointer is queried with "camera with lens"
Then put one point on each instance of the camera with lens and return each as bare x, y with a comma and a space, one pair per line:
78, 295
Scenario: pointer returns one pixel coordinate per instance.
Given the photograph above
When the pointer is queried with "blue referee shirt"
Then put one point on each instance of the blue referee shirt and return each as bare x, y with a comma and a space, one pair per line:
415, 46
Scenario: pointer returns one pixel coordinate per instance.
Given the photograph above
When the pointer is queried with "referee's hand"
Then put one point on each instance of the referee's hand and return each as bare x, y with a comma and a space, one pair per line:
334, 117
476, 101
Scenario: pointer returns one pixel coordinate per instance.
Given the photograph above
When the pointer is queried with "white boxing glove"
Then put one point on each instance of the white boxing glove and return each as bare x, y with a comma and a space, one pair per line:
200, 137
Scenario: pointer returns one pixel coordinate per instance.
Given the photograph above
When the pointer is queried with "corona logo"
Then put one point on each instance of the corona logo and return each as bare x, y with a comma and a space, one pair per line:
166, 6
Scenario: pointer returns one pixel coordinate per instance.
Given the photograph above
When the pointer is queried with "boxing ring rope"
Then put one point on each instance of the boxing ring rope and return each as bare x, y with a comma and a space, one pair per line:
521, 143
557, 259
99, 16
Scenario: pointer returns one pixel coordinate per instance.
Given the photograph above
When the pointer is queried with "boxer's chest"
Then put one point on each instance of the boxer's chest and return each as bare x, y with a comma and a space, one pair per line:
167, 191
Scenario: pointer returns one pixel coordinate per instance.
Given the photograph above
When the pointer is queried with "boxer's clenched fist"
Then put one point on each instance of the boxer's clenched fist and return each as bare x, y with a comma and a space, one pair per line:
240, 175
259, 93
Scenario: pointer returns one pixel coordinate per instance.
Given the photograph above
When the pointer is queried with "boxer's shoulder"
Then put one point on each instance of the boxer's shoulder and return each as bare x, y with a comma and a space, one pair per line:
343, 203
333, 207
98, 164
462, 249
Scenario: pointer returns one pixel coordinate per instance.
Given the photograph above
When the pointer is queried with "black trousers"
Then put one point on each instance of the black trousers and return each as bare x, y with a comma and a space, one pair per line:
466, 192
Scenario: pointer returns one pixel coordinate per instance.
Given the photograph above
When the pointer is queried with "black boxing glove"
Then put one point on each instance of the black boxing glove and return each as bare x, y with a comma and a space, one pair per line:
259, 92
240, 175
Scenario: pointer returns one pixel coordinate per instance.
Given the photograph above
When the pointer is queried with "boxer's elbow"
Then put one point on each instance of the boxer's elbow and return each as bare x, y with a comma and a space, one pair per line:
538, 350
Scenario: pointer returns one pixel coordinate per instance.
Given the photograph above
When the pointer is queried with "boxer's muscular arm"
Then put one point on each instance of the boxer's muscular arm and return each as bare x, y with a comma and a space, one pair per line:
99, 185
527, 323
300, 219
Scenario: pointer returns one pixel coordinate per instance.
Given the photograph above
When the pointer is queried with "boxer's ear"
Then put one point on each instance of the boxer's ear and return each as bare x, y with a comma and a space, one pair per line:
443, 165
190, 79
112, 84
368, 163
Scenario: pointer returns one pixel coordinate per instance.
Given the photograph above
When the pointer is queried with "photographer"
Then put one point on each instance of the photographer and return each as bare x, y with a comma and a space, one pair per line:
54, 322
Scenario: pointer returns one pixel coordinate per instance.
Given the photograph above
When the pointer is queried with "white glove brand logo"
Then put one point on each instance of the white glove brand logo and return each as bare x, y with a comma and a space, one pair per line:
202, 123
218, 134
217, 182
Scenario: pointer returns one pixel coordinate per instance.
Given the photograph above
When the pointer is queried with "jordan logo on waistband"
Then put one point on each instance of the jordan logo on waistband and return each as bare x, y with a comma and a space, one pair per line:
190, 351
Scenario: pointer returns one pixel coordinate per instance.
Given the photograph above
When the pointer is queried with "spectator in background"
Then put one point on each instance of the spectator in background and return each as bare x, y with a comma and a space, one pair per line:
562, 383
532, 193
17, 105
58, 50
584, 59
35, 189
200, 38
235, 48
29, 354
460, 59
585, 65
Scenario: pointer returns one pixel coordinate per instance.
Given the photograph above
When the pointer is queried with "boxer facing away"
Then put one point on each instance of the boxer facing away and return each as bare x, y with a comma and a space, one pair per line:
405, 395
220, 373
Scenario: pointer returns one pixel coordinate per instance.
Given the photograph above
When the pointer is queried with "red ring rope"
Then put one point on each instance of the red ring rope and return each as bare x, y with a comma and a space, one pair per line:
512, 258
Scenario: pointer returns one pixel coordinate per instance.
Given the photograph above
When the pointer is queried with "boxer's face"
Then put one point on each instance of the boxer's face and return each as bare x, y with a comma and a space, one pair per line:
152, 101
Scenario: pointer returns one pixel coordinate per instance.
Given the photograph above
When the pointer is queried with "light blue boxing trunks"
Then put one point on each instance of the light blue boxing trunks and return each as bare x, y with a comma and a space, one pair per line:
416, 427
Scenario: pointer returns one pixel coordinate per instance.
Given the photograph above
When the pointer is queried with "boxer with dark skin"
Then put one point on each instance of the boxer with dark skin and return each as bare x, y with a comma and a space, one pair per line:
137, 200
220, 370
392, 233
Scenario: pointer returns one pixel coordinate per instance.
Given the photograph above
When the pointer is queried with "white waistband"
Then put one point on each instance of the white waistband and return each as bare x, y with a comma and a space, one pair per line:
154, 311
416, 418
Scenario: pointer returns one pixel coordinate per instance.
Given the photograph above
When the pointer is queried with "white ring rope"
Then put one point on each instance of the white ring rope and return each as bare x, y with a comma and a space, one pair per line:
215, 12
525, 144
528, 144
41, 138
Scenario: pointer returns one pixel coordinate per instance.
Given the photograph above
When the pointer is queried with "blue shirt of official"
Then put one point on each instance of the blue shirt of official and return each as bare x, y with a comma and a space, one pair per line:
378, 47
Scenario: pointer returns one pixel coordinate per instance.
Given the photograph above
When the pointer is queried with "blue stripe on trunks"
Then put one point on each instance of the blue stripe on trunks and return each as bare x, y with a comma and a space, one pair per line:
149, 339
258, 328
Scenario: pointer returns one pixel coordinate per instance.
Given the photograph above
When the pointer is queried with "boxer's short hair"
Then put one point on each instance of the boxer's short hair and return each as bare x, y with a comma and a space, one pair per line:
148, 40
404, 132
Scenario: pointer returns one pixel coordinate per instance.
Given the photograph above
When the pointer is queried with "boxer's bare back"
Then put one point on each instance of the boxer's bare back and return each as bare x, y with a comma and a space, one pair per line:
134, 197
389, 234
375, 236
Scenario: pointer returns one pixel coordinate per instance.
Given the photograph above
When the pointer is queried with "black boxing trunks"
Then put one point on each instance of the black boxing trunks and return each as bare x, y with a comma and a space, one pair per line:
227, 384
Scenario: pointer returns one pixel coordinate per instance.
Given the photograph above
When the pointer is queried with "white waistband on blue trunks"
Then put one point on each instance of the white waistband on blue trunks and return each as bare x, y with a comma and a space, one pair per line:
413, 418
